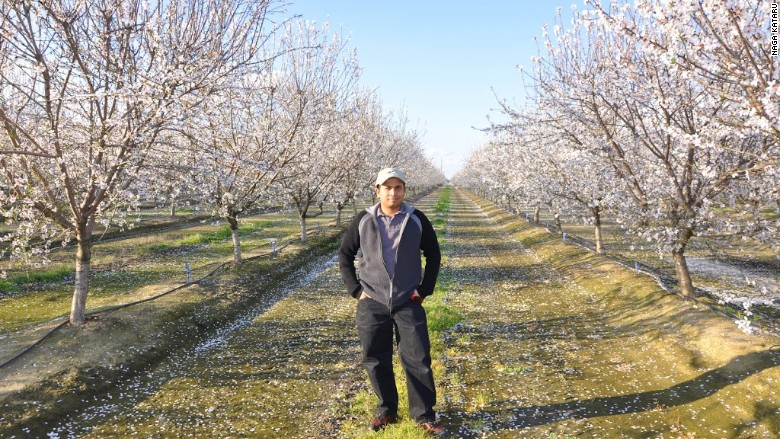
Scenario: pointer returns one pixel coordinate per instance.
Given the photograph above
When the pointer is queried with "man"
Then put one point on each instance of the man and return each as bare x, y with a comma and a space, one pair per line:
390, 292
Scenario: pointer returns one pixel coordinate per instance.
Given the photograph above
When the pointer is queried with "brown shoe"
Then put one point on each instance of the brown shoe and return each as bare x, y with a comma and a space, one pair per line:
432, 429
380, 421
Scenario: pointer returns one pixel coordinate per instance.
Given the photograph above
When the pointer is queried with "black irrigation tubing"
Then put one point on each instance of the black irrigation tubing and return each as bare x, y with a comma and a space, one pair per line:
126, 305
34, 345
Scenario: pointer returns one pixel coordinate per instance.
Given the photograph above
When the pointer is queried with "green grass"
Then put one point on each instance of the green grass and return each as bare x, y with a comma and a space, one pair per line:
222, 234
16, 313
155, 248
52, 275
442, 317
248, 230
443, 203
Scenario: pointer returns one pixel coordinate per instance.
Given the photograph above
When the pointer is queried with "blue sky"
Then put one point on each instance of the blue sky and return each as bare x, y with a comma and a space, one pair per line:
441, 61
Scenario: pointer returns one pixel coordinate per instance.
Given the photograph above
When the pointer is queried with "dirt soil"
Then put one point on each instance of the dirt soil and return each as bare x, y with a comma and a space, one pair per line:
556, 342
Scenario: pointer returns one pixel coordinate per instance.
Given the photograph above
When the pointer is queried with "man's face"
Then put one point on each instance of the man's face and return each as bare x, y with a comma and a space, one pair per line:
391, 194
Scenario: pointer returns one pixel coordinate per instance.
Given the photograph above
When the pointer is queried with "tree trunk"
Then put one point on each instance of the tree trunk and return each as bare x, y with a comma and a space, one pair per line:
536, 214
173, 208
681, 266
597, 229
83, 258
233, 221
558, 224
339, 207
643, 222
303, 228
683, 274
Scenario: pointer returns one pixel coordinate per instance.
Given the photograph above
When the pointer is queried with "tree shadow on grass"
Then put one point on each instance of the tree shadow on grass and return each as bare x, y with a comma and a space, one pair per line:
703, 386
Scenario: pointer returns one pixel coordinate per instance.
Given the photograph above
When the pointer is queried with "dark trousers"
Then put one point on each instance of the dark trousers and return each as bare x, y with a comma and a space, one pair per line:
376, 324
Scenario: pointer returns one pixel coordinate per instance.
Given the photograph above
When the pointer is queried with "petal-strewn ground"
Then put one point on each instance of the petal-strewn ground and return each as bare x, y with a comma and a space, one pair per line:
554, 342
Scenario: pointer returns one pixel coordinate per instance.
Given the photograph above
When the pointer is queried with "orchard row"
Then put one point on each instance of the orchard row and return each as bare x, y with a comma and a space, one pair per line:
662, 114
108, 105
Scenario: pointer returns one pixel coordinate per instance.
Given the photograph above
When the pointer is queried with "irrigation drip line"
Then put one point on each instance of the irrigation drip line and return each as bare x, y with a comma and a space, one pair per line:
34, 345
148, 299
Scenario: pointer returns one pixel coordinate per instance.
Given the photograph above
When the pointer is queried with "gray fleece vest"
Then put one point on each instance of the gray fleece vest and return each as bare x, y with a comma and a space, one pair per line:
374, 278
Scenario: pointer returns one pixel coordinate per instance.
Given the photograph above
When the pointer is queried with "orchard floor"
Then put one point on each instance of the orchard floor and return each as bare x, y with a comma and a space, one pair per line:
555, 342
559, 342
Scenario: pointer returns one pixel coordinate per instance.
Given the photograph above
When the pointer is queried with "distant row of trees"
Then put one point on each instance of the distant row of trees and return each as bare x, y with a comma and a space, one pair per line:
664, 114
107, 104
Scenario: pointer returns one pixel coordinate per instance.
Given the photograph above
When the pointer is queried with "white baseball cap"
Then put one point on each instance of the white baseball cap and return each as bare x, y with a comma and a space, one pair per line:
388, 173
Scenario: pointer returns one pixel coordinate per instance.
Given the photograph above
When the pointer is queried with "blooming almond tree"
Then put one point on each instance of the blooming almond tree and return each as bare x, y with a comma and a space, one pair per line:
319, 77
395, 144
724, 48
422, 173
240, 151
670, 126
722, 45
87, 89
671, 140
166, 177
559, 172
360, 130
